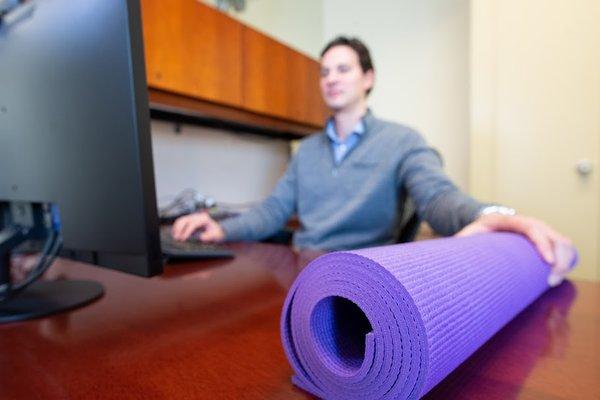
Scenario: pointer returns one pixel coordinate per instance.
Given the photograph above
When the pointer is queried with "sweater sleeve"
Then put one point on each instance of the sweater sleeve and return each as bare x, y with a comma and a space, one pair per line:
271, 215
437, 199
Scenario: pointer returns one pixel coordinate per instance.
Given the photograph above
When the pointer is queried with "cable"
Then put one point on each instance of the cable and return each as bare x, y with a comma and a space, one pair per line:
45, 262
51, 249
187, 202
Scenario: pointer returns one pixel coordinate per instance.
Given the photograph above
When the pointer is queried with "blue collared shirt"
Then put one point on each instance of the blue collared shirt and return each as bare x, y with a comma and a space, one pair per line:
342, 148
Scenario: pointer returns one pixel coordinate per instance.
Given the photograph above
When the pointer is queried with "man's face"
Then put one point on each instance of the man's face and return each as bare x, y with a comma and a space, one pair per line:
343, 82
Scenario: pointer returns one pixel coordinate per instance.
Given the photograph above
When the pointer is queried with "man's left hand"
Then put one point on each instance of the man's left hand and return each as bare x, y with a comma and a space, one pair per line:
556, 249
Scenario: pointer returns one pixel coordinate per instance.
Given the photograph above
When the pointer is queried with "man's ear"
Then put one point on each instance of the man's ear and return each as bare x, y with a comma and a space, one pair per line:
369, 80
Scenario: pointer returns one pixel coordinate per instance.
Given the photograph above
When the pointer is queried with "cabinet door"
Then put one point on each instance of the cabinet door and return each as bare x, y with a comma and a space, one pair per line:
265, 80
305, 101
280, 81
192, 49
316, 110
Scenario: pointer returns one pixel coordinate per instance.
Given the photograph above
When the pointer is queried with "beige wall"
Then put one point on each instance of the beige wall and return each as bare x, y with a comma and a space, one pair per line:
482, 72
228, 166
536, 112
420, 50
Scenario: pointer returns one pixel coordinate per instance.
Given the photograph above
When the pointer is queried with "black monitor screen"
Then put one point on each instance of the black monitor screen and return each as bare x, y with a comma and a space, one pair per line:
74, 127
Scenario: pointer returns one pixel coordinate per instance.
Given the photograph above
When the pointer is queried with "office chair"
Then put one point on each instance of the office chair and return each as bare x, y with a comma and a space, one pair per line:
409, 223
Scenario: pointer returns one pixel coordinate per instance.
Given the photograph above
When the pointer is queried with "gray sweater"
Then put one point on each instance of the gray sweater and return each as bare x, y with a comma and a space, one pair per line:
358, 202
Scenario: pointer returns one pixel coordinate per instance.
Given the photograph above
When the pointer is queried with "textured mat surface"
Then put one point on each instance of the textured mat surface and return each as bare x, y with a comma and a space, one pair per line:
392, 322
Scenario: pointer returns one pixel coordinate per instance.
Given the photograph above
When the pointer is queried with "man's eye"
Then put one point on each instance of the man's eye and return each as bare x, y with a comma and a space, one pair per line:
324, 72
343, 68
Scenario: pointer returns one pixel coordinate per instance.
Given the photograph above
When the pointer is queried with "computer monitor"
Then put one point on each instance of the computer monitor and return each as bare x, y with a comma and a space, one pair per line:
75, 145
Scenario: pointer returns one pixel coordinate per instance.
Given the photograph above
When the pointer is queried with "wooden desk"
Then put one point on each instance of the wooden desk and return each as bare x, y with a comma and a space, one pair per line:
210, 330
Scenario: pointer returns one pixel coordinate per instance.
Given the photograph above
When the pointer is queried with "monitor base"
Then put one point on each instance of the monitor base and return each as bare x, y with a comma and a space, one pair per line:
44, 298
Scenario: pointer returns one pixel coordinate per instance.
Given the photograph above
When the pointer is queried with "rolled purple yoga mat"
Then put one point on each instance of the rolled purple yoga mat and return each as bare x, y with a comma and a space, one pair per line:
392, 322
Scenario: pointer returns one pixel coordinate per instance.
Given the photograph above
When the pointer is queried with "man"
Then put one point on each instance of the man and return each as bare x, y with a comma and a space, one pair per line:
349, 183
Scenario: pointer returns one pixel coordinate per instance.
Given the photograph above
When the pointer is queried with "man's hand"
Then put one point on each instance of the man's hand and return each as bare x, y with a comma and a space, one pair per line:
556, 249
185, 226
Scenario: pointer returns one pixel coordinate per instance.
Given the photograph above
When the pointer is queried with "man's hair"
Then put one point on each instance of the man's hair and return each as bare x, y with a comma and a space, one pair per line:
364, 57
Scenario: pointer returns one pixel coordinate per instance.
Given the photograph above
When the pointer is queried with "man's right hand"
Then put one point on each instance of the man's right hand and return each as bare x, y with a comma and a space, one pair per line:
210, 229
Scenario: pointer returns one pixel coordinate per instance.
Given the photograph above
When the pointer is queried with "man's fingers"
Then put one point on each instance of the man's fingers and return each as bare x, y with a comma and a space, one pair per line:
212, 233
542, 243
554, 279
179, 234
178, 226
536, 231
197, 222
565, 256
208, 236
556, 249
184, 227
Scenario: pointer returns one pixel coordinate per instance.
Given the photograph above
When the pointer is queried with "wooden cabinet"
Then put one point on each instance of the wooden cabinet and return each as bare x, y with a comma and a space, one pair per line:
195, 51
265, 70
192, 49
313, 108
280, 81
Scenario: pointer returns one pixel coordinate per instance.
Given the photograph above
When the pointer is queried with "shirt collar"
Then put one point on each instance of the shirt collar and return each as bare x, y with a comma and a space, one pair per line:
359, 128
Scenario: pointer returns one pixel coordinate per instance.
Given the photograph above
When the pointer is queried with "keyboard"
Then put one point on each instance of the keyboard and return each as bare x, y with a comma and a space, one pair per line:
192, 249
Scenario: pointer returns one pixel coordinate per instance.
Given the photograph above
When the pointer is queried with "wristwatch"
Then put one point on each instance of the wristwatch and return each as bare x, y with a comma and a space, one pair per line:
496, 209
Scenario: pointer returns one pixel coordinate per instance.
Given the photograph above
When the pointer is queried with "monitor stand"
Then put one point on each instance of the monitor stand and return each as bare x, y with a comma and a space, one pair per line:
40, 298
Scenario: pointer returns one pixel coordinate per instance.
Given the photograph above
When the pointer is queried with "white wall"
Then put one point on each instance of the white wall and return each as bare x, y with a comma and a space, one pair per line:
421, 53
298, 24
228, 166
536, 112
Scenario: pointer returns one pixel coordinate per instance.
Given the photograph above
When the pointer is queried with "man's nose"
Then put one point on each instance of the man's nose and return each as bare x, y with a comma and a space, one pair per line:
331, 79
